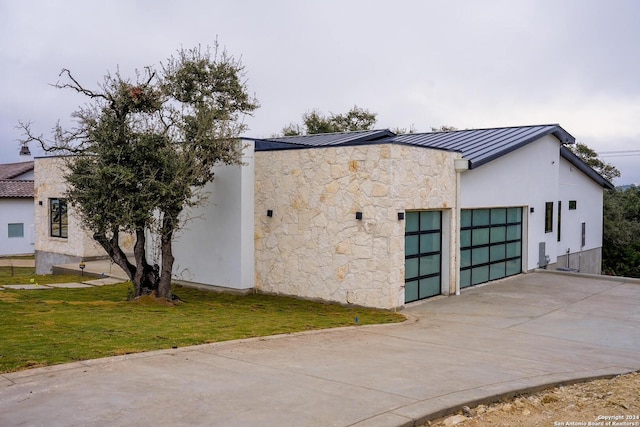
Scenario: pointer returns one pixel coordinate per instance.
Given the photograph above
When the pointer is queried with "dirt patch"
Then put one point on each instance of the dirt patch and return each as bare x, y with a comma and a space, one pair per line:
151, 299
613, 402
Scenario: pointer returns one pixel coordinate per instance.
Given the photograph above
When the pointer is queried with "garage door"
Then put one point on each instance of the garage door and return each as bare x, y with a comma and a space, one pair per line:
422, 250
490, 244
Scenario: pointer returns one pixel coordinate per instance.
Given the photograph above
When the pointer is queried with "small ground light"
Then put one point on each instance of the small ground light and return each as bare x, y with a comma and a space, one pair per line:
82, 266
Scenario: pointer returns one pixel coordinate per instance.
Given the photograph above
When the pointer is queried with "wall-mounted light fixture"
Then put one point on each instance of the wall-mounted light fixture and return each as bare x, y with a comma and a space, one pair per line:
400, 216
531, 209
358, 215
40, 202
269, 213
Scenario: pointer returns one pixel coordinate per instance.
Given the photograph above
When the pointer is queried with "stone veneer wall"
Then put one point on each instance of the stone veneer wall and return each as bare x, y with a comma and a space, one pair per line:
79, 245
314, 247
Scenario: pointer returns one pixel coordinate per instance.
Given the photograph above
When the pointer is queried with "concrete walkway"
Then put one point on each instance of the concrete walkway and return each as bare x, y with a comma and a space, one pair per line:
518, 334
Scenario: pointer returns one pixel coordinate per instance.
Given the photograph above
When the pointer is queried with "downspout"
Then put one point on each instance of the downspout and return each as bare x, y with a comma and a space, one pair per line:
460, 166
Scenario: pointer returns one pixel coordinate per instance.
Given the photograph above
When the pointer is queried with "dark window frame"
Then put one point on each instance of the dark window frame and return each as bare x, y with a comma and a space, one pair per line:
573, 205
559, 220
58, 218
548, 217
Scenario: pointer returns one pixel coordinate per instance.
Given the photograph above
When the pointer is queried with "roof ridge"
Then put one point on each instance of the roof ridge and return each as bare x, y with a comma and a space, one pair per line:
489, 128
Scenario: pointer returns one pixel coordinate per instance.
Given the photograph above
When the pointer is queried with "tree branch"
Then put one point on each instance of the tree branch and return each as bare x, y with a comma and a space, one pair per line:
77, 86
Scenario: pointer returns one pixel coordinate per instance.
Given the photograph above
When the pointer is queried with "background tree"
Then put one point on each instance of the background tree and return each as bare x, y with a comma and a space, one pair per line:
443, 128
315, 122
590, 157
621, 234
144, 150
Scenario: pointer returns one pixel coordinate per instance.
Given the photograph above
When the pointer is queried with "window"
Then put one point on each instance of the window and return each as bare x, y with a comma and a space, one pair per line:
16, 230
548, 217
573, 205
559, 218
58, 222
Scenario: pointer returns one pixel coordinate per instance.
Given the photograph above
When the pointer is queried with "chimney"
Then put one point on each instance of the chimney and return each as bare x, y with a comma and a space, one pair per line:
25, 153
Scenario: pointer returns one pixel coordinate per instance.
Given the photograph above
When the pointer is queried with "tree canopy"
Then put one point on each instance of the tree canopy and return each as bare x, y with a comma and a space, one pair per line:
315, 122
143, 150
590, 157
621, 233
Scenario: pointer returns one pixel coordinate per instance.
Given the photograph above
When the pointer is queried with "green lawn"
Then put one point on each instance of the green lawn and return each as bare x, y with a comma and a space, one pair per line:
46, 327
26, 275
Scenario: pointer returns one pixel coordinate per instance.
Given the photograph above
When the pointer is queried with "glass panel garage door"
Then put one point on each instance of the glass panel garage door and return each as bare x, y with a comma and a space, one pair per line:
490, 244
422, 251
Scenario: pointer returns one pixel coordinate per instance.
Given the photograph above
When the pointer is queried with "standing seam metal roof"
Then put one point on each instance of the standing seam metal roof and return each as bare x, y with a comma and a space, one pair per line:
480, 146
322, 140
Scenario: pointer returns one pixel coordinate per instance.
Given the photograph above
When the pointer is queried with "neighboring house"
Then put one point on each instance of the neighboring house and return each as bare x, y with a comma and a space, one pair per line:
59, 235
16, 208
380, 220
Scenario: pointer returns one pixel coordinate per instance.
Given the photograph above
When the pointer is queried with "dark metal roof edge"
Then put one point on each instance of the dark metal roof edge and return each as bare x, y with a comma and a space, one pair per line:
585, 168
367, 137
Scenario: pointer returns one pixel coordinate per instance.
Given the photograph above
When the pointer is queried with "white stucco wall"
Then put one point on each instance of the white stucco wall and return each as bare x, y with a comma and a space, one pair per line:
216, 245
526, 177
16, 211
29, 176
530, 177
575, 185
314, 246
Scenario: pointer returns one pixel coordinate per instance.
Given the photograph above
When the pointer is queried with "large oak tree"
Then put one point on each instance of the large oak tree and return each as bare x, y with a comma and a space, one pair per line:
143, 150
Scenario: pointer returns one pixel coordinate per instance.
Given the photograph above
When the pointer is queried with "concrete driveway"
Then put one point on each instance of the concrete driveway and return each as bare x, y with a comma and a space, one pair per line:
520, 333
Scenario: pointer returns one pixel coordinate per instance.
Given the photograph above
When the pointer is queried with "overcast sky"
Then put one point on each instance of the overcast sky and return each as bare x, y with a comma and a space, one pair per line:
468, 64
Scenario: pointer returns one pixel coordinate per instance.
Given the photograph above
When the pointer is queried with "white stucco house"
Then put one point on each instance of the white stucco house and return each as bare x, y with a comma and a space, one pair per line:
16, 208
381, 220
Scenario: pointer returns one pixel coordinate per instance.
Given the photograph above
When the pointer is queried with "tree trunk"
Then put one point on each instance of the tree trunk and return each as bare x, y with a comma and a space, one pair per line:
164, 286
145, 278
117, 255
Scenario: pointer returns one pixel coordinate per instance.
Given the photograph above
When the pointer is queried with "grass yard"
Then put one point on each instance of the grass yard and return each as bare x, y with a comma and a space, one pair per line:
26, 275
47, 327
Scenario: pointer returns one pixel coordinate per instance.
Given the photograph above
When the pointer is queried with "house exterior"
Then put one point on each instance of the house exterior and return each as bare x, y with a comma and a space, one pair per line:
16, 208
377, 219
59, 235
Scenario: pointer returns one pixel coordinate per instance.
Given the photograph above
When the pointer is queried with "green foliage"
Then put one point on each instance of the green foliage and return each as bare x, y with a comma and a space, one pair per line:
444, 128
402, 131
41, 328
590, 157
621, 234
143, 150
315, 122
